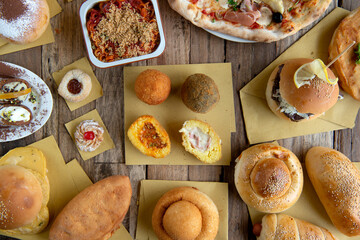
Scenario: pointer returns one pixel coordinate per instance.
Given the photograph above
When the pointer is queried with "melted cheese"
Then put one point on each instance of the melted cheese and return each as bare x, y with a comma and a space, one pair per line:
197, 138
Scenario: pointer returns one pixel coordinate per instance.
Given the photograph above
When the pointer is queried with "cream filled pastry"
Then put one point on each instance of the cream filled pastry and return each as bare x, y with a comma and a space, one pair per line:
89, 135
14, 115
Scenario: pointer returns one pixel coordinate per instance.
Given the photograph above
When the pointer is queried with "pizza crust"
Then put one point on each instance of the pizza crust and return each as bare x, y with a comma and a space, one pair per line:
194, 14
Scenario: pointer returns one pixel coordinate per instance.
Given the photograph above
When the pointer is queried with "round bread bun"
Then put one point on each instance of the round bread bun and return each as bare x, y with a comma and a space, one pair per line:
152, 86
345, 67
200, 93
268, 177
20, 197
23, 21
185, 213
315, 98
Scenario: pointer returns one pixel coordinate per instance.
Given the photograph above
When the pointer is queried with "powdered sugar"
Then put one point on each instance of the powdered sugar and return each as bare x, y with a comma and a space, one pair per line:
17, 27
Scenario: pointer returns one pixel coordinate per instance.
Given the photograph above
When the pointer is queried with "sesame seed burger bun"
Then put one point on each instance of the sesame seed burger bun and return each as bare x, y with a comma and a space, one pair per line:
315, 98
20, 197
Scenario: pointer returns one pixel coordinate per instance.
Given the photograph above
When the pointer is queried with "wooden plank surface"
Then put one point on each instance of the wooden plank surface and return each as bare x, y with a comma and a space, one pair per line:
185, 43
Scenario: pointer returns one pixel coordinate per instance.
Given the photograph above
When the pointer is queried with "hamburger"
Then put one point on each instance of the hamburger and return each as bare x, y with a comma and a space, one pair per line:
299, 104
24, 192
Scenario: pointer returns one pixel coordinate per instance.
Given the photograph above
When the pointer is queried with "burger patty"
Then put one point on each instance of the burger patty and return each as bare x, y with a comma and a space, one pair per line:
285, 107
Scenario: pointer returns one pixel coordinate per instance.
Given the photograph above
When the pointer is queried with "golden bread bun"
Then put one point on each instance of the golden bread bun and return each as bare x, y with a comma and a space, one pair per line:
185, 213
200, 93
20, 197
346, 68
313, 99
152, 86
200, 139
96, 212
268, 177
284, 227
24, 192
337, 183
147, 135
23, 21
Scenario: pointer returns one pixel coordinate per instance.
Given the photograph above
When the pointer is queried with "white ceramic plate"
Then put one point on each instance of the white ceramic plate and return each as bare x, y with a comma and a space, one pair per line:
228, 37
87, 5
41, 109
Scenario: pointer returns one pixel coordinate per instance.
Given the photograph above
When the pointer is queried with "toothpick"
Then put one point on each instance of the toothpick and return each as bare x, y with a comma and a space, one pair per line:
352, 44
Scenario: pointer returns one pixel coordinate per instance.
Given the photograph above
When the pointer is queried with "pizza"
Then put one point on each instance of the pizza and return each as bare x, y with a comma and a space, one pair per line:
258, 20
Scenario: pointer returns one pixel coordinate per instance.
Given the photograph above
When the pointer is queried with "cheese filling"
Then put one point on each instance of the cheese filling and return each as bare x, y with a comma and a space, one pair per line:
197, 138
15, 114
15, 87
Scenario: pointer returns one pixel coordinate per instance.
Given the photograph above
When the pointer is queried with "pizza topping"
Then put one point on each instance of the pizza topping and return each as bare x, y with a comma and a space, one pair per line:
244, 18
266, 16
277, 17
357, 52
276, 5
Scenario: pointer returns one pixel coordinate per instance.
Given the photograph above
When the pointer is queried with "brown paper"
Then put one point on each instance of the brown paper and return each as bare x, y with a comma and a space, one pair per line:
106, 144
172, 113
263, 125
152, 190
66, 181
308, 208
46, 38
84, 65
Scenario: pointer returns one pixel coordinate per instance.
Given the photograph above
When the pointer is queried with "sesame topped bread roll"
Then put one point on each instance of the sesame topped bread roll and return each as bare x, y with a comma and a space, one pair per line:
201, 140
337, 183
268, 177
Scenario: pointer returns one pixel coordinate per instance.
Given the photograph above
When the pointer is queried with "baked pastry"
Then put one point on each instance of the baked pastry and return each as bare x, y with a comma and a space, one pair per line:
185, 213
200, 139
337, 183
89, 135
299, 104
23, 21
75, 86
24, 192
95, 213
147, 135
200, 93
11, 87
284, 227
152, 86
346, 67
14, 115
268, 177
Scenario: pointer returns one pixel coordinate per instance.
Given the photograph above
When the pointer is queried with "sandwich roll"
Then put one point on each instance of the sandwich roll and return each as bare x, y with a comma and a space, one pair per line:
337, 183
95, 213
268, 177
299, 104
285, 227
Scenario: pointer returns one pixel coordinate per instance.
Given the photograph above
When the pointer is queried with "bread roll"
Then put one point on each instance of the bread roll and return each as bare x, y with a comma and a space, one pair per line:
285, 227
185, 213
96, 212
23, 21
299, 104
268, 177
337, 183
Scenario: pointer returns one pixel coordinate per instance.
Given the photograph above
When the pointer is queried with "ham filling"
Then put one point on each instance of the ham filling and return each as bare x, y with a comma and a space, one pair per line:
197, 138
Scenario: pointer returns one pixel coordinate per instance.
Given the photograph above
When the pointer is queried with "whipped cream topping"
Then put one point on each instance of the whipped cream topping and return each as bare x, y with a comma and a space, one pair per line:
89, 126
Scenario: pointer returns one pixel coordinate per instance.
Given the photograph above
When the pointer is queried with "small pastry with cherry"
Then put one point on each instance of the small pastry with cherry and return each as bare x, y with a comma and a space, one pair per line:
89, 135
75, 86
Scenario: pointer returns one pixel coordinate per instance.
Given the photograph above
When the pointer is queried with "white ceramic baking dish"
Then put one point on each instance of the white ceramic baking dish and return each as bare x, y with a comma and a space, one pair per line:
87, 5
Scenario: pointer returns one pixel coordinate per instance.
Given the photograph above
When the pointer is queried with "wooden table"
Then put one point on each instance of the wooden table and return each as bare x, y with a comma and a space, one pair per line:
185, 44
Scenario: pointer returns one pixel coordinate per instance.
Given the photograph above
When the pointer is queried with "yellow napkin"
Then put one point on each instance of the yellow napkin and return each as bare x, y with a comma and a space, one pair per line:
152, 190
172, 113
96, 89
308, 208
66, 181
106, 144
263, 125
46, 38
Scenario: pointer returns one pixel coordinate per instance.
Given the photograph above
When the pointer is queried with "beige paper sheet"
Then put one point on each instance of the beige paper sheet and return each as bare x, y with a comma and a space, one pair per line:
308, 208
46, 38
152, 190
84, 65
66, 180
263, 125
104, 146
172, 113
